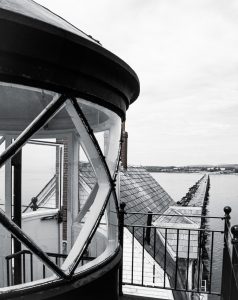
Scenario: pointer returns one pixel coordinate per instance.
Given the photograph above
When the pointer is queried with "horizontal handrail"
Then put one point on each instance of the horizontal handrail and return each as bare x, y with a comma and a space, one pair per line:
10, 256
15, 255
27, 206
167, 288
60, 255
175, 228
173, 215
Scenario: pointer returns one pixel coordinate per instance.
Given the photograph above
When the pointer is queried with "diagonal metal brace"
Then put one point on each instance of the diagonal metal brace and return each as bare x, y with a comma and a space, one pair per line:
44, 117
30, 244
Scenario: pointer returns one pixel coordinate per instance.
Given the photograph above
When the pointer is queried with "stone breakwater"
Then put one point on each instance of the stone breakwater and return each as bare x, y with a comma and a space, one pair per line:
197, 194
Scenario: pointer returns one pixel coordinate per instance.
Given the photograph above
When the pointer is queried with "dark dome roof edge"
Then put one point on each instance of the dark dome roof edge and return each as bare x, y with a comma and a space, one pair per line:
123, 71
91, 43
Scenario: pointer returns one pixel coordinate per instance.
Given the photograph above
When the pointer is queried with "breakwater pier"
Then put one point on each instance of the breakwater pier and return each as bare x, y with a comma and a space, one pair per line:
197, 195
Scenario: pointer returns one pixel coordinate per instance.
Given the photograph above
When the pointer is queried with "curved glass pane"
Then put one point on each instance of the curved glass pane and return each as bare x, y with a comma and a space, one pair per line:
107, 129
68, 208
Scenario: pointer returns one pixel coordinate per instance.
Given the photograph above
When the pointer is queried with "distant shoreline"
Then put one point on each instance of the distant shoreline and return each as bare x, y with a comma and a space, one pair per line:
195, 172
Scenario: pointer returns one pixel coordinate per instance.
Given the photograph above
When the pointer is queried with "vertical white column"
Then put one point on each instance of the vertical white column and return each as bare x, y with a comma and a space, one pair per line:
109, 141
8, 182
73, 169
75, 176
5, 237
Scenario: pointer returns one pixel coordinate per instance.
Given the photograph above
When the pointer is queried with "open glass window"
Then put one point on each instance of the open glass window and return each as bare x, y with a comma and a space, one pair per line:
60, 159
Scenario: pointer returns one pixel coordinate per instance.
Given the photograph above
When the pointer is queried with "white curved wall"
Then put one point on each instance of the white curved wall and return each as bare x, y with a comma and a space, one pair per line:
43, 228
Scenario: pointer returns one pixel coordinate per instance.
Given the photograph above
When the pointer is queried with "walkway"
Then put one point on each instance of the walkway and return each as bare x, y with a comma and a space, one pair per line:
199, 196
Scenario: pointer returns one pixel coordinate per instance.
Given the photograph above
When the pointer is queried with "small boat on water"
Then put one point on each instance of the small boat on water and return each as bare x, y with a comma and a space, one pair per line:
59, 88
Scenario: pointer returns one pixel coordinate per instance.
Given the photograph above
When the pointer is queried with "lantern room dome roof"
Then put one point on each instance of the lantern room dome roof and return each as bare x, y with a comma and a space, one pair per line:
34, 10
40, 49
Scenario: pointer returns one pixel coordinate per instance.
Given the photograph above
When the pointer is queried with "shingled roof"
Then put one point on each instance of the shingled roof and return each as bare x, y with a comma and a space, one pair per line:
87, 175
175, 225
142, 193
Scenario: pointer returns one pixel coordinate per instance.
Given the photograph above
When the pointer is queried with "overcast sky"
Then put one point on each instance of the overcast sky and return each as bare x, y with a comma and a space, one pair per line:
185, 53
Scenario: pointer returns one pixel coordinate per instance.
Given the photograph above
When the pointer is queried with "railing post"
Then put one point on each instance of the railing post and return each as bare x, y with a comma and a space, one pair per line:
121, 233
234, 275
148, 228
226, 264
227, 224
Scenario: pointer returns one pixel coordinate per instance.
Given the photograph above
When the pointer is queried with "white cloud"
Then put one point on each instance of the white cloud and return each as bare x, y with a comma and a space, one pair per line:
186, 56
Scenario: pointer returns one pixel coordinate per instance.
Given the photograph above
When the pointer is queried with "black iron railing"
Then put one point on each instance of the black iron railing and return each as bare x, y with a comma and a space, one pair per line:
181, 258
27, 265
10, 266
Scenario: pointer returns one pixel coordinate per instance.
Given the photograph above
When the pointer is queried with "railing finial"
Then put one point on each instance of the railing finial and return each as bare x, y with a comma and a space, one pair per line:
227, 211
234, 231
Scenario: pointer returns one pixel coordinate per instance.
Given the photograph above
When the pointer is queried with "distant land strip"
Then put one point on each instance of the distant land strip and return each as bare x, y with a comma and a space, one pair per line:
222, 168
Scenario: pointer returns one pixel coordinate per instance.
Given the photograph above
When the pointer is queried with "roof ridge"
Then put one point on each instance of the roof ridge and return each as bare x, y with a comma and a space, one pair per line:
187, 218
